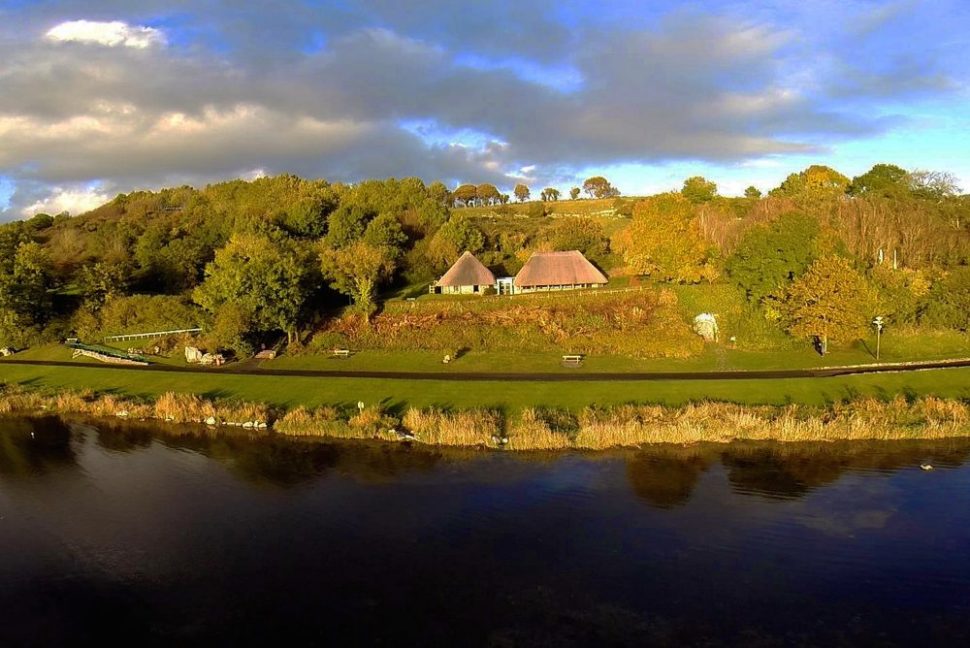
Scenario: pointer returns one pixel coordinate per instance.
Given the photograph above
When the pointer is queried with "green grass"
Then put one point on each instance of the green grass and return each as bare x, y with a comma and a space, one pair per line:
510, 397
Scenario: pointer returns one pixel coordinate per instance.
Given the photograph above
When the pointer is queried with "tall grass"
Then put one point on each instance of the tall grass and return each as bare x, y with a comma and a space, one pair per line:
594, 428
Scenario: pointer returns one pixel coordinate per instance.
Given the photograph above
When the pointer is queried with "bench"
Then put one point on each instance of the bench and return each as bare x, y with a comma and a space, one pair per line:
572, 360
341, 353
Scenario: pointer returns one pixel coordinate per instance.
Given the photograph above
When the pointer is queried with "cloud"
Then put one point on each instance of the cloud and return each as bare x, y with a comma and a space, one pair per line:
441, 89
110, 34
73, 200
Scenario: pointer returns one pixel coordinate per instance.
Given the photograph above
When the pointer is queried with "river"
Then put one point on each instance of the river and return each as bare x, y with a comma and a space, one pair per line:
161, 537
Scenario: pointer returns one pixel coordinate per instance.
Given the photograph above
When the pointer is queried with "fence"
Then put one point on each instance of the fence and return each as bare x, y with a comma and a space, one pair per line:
155, 334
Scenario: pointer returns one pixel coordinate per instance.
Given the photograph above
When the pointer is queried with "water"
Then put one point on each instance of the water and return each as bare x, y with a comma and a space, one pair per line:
110, 530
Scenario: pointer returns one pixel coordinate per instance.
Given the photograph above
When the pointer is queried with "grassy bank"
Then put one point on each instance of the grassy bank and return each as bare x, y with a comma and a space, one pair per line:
532, 428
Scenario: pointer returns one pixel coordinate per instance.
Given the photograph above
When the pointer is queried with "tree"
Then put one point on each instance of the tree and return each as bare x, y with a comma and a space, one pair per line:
578, 233
438, 192
25, 292
487, 194
600, 187
385, 232
465, 194
699, 190
356, 271
831, 300
574, 193
752, 192
934, 185
550, 194
266, 279
887, 180
815, 181
949, 303
663, 240
521, 192
102, 279
458, 235
771, 256
347, 224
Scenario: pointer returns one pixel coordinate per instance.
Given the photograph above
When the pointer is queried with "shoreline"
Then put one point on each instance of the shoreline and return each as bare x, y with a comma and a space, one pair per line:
534, 428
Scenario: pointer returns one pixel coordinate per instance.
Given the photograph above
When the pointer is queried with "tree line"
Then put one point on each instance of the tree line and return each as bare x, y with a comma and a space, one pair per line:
819, 255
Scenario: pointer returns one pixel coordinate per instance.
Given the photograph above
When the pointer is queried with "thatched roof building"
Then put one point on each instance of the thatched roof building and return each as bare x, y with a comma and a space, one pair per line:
467, 275
558, 271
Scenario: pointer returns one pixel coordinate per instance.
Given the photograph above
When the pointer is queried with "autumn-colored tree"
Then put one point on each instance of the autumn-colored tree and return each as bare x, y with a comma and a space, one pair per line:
699, 190
600, 187
831, 300
521, 192
487, 194
815, 181
664, 241
574, 193
465, 194
357, 270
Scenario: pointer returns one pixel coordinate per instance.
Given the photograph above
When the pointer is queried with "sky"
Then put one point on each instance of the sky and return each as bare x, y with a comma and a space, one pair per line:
99, 97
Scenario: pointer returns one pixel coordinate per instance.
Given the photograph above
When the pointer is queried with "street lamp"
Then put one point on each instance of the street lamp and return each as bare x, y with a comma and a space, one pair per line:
878, 322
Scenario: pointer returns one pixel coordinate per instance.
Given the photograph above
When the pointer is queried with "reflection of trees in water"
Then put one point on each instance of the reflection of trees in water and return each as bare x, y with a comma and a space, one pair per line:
787, 471
269, 460
34, 446
665, 479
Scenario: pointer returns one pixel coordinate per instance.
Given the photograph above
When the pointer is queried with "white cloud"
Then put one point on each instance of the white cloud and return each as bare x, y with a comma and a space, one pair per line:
75, 201
111, 34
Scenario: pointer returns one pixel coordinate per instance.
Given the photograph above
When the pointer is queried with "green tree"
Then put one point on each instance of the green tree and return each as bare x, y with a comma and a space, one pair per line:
887, 180
949, 301
769, 257
830, 301
347, 224
574, 193
550, 194
663, 240
752, 192
25, 300
579, 233
699, 190
268, 280
521, 192
454, 237
357, 270
600, 187
386, 232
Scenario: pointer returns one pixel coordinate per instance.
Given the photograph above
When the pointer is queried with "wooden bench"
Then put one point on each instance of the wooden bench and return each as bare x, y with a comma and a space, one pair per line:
341, 353
572, 360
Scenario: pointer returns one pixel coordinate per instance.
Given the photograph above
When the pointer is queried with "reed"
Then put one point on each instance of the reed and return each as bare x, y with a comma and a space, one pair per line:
594, 428
478, 427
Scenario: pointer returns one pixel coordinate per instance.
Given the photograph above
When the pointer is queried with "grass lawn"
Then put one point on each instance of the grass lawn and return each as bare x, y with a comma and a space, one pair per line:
716, 357
511, 397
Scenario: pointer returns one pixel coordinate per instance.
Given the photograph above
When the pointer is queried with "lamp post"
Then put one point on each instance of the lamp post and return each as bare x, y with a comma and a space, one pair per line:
878, 322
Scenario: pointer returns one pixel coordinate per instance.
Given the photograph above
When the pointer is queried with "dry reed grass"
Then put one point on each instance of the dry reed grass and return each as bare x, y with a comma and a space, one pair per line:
479, 427
538, 428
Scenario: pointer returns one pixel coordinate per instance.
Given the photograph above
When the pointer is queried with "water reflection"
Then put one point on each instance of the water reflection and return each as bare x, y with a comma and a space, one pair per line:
34, 447
191, 536
666, 479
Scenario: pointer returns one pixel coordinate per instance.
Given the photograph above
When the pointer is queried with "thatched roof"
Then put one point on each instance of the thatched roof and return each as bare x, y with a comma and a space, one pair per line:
558, 269
467, 271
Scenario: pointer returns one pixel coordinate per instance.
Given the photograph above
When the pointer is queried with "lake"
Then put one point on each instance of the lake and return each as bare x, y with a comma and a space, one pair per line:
158, 536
